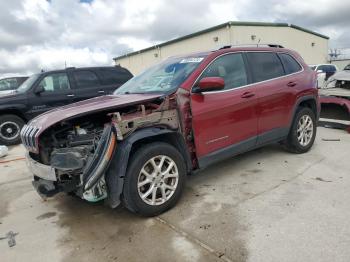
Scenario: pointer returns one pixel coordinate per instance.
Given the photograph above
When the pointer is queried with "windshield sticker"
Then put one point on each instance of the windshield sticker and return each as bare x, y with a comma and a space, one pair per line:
191, 60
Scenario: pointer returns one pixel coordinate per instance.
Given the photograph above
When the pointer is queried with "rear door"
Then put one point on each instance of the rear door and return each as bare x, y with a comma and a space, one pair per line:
57, 92
86, 84
225, 122
113, 78
276, 94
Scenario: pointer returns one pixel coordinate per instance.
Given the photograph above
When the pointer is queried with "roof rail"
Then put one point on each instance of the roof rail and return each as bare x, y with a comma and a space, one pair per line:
252, 45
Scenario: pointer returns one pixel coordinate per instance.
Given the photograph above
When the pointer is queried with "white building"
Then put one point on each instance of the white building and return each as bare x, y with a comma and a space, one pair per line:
312, 46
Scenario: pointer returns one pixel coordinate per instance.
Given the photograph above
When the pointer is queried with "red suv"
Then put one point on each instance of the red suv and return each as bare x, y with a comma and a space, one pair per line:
138, 145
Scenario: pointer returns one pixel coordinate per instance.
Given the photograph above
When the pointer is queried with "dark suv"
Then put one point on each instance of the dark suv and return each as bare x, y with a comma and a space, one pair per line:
138, 145
48, 90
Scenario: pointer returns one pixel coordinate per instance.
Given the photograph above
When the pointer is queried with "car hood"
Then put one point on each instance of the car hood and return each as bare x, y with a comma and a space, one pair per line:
97, 104
4, 93
342, 75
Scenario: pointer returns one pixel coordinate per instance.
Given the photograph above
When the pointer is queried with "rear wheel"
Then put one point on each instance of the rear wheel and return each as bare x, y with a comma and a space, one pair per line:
303, 131
155, 179
10, 128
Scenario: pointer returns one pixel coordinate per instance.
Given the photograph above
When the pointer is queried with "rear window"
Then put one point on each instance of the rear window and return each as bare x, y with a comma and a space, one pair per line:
290, 64
331, 68
265, 66
85, 79
112, 76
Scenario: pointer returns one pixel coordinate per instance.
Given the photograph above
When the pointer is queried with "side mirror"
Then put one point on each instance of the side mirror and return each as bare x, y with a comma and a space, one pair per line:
39, 89
209, 84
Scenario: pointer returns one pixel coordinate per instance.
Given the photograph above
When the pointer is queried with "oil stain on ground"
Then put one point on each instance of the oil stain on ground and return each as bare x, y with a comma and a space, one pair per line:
46, 215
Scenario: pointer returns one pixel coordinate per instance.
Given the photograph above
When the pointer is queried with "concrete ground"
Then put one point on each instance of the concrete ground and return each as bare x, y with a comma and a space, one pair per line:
266, 205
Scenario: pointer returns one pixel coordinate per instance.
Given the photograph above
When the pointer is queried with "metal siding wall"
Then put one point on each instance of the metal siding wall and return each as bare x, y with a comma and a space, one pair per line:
341, 63
286, 36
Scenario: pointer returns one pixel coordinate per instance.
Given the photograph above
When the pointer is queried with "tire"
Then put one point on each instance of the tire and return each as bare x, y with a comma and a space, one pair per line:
304, 142
133, 189
10, 128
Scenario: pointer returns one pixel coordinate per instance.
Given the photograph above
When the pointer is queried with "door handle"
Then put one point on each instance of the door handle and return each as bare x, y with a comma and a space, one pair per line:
100, 91
247, 95
291, 84
71, 95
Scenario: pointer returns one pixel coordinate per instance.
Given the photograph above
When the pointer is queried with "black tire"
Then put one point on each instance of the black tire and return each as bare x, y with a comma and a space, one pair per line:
11, 123
292, 143
131, 198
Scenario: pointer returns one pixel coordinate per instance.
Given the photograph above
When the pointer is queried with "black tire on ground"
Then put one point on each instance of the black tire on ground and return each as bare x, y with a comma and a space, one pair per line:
131, 198
10, 127
292, 143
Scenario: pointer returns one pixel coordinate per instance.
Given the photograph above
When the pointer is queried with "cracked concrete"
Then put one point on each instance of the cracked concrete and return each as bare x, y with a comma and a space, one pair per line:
265, 205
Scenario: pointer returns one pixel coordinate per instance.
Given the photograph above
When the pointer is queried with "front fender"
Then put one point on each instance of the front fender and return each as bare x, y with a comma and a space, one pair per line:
116, 172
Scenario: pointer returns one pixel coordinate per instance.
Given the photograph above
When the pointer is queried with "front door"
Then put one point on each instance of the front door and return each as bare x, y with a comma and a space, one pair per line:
225, 122
57, 92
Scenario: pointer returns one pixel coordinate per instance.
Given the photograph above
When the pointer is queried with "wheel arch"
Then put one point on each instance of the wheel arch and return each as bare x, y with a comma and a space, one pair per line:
124, 149
309, 101
11, 111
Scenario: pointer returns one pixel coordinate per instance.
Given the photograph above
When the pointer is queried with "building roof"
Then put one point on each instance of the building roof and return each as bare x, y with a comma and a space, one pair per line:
231, 23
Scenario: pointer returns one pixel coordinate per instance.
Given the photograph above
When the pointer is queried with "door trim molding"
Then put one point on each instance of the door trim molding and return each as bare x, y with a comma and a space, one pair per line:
269, 137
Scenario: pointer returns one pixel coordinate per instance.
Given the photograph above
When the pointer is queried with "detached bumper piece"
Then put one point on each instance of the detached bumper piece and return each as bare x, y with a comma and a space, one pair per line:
94, 185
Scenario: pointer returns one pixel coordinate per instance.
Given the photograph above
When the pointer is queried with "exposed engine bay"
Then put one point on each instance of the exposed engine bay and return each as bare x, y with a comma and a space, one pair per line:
80, 150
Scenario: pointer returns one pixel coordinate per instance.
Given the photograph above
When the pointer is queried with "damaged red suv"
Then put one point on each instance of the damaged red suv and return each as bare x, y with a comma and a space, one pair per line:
137, 146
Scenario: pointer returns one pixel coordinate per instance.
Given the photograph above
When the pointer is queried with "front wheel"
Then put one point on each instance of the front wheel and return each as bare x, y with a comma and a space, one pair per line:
155, 179
10, 128
303, 131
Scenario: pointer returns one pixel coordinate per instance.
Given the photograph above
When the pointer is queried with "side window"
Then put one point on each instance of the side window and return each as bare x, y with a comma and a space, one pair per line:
231, 68
8, 84
55, 82
112, 76
290, 65
265, 66
86, 79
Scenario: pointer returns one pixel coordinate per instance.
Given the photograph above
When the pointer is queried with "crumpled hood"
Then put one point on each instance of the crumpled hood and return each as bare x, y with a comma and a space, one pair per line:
89, 106
342, 75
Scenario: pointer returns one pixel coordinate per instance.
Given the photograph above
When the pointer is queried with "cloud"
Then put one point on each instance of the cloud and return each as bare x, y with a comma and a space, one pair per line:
36, 34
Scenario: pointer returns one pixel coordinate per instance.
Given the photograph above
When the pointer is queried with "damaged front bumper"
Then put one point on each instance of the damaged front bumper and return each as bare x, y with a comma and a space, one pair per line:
44, 177
87, 182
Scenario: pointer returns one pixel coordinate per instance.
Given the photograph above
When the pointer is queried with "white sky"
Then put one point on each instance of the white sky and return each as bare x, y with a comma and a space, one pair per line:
42, 34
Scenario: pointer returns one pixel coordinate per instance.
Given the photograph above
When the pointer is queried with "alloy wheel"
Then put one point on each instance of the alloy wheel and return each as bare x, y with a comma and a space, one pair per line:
158, 180
305, 130
9, 130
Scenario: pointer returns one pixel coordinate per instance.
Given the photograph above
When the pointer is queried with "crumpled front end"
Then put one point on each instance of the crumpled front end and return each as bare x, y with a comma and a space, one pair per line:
79, 168
74, 156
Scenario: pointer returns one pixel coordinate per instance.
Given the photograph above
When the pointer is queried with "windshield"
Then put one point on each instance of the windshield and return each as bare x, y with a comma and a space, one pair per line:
161, 78
27, 84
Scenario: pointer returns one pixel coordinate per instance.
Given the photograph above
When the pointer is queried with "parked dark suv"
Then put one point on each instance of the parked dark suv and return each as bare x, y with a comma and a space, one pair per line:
138, 145
48, 90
